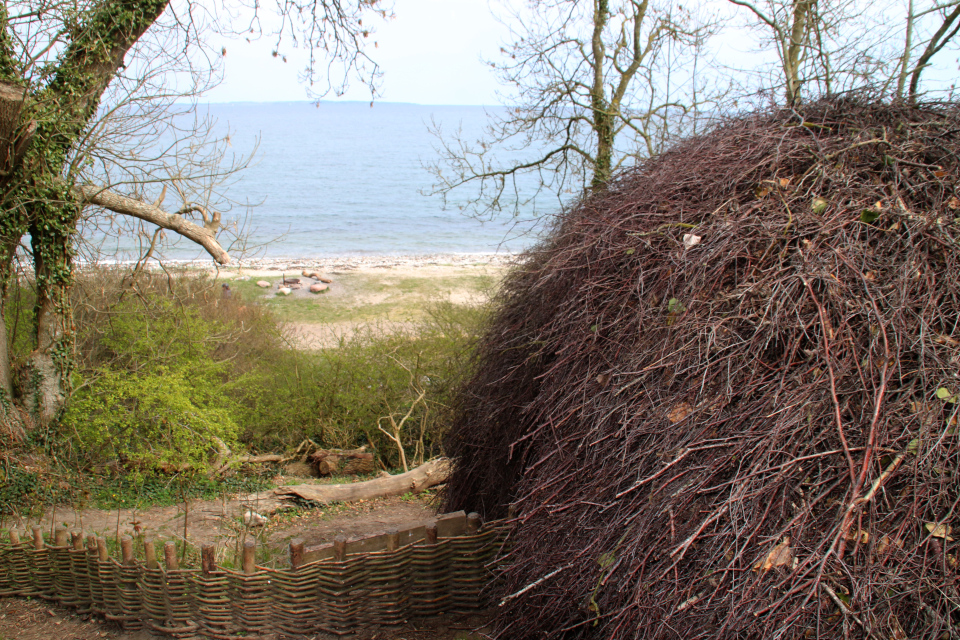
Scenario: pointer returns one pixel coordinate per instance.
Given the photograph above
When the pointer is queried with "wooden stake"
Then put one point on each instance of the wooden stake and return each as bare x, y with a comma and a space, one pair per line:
473, 523
432, 532
76, 537
60, 537
340, 548
14, 537
102, 553
150, 552
170, 556
393, 540
296, 553
208, 558
126, 550
249, 556
91, 544
37, 537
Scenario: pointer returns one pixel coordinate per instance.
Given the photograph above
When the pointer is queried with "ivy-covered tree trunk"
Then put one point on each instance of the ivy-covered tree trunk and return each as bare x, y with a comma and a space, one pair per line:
47, 371
38, 197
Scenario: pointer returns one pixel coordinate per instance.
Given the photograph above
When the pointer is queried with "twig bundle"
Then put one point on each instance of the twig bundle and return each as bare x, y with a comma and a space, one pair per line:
723, 394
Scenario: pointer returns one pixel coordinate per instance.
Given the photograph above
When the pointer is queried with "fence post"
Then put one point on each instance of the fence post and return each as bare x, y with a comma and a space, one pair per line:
37, 538
170, 556
96, 580
126, 550
42, 571
128, 591
296, 553
150, 554
340, 548
473, 523
208, 558
249, 556
393, 539
432, 532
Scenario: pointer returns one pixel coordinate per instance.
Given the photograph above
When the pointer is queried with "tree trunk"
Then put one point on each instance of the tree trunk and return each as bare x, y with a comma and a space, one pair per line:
47, 376
603, 167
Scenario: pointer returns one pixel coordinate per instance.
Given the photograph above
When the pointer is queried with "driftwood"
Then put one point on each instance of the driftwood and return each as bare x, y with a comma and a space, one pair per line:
340, 462
414, 481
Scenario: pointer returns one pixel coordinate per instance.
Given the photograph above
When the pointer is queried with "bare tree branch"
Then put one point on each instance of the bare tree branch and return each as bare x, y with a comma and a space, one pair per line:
124, 205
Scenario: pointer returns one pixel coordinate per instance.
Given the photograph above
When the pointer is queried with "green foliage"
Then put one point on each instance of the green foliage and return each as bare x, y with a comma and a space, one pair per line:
137, 491
168, 365
149, 392
165, 417
26, 492
338, 396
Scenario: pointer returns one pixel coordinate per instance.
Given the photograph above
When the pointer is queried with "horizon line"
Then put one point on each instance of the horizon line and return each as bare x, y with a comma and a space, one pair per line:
371, 103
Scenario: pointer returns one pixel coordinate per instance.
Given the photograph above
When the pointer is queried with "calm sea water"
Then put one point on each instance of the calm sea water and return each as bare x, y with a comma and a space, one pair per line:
347, 179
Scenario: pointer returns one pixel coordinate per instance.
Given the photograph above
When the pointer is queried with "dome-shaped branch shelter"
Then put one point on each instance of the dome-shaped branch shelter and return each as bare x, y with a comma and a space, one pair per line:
723, 394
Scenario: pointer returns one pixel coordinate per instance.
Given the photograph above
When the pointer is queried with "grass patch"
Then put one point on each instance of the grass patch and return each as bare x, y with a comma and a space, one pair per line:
370, 297
132, 492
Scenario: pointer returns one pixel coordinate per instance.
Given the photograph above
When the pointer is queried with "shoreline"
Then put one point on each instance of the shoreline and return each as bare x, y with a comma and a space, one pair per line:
338, 263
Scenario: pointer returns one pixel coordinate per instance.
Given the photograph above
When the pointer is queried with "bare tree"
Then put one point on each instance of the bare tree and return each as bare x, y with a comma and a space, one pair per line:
823, 46
826, 47
943, 20
87, 117
595, 85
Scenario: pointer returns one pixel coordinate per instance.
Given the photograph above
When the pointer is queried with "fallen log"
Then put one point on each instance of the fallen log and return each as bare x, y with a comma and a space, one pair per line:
342, 462
414, 481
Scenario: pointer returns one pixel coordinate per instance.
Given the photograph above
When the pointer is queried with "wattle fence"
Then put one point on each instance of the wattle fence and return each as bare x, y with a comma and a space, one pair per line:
339, 588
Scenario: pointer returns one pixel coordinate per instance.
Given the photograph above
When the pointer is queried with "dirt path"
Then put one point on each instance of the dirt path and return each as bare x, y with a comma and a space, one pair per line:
22, 619
222, 522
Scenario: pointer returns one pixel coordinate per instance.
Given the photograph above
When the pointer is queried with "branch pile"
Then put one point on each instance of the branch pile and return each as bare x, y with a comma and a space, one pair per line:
723, 394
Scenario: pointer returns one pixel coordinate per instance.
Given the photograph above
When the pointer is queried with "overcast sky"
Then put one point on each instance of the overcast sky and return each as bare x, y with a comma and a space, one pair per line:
430, 54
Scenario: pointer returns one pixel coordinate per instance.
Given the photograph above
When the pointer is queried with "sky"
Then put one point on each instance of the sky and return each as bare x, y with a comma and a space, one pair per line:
430, 53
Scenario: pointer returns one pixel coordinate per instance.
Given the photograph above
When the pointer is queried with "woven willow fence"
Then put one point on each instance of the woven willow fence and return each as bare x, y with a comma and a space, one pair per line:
351, 588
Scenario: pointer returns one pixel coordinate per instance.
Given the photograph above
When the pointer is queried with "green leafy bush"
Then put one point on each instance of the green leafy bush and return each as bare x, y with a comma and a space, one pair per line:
167, 365
165, 418
339, 396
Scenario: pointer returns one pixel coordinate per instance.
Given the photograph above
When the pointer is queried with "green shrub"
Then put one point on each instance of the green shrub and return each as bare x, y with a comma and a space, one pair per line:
339, 396
167, 365
163, 418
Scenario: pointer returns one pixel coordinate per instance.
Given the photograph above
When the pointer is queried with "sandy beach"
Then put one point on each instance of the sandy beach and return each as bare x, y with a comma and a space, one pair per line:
381, 293
268, 266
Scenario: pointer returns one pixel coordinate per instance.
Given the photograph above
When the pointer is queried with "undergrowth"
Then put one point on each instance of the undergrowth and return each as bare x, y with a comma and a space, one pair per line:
170, 375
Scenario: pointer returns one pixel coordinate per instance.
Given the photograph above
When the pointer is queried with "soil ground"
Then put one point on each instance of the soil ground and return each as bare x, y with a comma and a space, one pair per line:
36, 620
222, 522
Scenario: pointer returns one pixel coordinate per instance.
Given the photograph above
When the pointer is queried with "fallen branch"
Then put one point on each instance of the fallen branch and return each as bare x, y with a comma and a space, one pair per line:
414, 481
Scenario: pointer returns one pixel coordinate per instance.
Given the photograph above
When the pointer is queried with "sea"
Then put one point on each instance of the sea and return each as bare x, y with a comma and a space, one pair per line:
347, 179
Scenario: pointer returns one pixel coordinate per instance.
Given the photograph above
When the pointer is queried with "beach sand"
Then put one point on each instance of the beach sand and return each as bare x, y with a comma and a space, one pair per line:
367, 293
